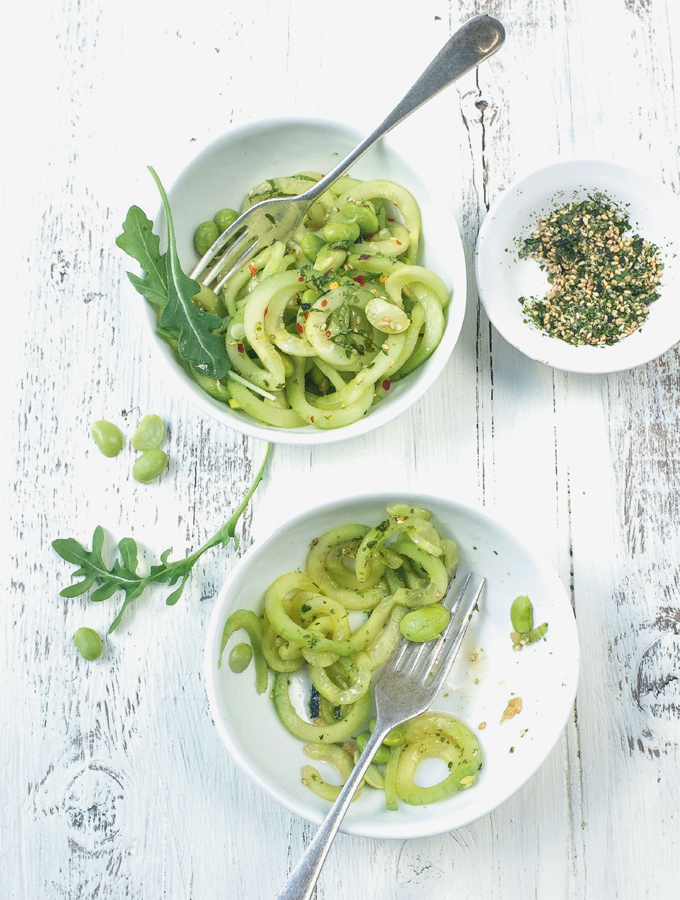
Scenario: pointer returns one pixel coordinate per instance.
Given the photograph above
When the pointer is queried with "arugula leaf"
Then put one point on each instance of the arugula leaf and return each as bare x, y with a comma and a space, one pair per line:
139, 242
202, 349
123, 575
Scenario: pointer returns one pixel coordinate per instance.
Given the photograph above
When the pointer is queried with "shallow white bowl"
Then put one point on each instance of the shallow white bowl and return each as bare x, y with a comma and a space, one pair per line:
544, 675
502, 277
222, 174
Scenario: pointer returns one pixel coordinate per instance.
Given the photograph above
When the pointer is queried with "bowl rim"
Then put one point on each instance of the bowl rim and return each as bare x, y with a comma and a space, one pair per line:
218, 618
631, 360
418, 383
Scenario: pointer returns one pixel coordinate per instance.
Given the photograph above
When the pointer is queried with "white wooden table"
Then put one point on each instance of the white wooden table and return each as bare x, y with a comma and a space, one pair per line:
114, 781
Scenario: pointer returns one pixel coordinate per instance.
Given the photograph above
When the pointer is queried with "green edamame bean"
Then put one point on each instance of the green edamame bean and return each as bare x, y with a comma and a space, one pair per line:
537, 633
424, 622
382, 754
224, 218
205, 236
311, 244
149, 466
365, 218
394, 738
329, 259
240, 656
107, 437
522, 615
150, 432
310, 296
88, 643
341, 231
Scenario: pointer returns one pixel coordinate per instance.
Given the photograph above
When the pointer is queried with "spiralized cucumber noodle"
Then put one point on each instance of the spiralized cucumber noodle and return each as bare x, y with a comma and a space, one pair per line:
318, 331
309, 626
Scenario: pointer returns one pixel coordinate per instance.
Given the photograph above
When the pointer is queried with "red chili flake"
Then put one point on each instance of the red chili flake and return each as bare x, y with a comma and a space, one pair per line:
390, 220
327, 273
299, 328
311, 418
301, 278
324, 302
386, 384
266, 310
422, 334
252, 269
397, 242
365, 256
360, 280
306, 316
239, 347
328, 334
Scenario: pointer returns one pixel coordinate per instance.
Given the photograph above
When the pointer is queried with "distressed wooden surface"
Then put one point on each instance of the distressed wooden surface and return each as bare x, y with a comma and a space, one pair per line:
114, 781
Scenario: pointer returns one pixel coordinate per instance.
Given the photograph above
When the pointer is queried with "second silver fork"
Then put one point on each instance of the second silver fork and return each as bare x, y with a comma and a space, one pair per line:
406, 687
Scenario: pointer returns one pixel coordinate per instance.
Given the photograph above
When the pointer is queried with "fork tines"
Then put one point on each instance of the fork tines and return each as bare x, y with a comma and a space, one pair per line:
232, 258
435, 658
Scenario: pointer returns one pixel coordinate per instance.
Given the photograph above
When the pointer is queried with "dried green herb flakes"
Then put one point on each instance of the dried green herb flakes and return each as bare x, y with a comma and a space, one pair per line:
603, 280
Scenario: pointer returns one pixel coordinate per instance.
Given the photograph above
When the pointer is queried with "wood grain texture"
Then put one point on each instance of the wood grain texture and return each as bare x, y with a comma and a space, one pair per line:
114, 781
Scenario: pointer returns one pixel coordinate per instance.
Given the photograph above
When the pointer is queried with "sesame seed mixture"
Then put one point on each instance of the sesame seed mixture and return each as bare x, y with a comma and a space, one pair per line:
602, 281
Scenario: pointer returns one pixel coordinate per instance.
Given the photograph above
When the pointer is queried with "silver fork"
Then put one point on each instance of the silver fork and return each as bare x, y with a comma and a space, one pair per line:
277, 219
407, 687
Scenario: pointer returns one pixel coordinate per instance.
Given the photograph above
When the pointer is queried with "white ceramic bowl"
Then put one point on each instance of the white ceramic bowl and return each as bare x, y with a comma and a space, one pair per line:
502, 277
486, 675
222, 174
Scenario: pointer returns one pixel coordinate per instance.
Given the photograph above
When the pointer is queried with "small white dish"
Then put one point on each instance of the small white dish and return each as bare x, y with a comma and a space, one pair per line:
502, 278
486, 676
223, 173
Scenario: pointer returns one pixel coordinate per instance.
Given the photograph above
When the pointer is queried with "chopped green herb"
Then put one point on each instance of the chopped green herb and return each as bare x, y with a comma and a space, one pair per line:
602, 281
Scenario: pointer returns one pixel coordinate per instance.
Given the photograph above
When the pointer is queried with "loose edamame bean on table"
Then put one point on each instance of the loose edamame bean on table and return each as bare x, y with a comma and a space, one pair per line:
88, 643
149, 434
107, 437
149, 466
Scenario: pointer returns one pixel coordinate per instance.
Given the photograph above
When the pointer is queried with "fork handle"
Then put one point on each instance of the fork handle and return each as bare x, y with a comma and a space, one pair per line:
301, 881
476, 40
